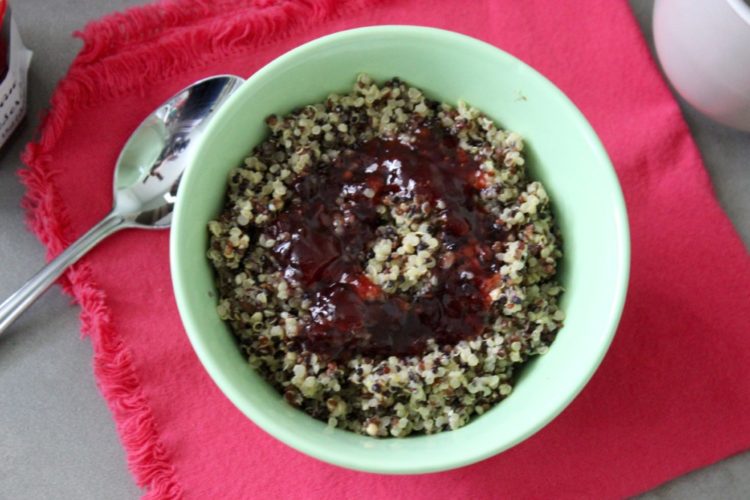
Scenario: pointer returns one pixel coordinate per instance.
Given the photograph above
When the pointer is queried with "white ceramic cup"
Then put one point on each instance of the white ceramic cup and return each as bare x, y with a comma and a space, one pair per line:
704, 49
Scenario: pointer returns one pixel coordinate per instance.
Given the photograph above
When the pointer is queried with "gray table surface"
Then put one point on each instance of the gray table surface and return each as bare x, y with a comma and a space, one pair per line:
57, 438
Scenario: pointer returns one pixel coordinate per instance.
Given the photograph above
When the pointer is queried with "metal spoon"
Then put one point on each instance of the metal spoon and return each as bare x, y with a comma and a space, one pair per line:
147, 175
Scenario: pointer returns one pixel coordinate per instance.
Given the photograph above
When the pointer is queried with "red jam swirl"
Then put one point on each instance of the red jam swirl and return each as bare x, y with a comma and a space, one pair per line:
350, 314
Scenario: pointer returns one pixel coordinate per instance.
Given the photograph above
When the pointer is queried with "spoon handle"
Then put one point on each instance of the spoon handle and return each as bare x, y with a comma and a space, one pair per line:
17, 303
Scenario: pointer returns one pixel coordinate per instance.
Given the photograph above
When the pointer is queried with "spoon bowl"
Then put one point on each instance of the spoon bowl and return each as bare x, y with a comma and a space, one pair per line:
151, 163
147, 175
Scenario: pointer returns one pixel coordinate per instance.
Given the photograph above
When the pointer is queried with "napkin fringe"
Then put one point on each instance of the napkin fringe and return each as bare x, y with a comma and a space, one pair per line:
97, 63
120, 386
104, 71
113, 365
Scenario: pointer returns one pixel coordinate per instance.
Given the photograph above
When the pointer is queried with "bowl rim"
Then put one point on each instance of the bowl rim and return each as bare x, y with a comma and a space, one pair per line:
332, 454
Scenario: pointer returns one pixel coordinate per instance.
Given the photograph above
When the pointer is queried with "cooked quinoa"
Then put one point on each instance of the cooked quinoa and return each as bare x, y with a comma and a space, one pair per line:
427, 318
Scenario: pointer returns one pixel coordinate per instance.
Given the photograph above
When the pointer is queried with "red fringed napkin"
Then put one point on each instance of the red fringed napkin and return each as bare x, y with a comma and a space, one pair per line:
673, 394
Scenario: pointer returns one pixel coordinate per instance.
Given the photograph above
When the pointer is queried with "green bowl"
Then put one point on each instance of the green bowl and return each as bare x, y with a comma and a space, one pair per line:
562, 151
